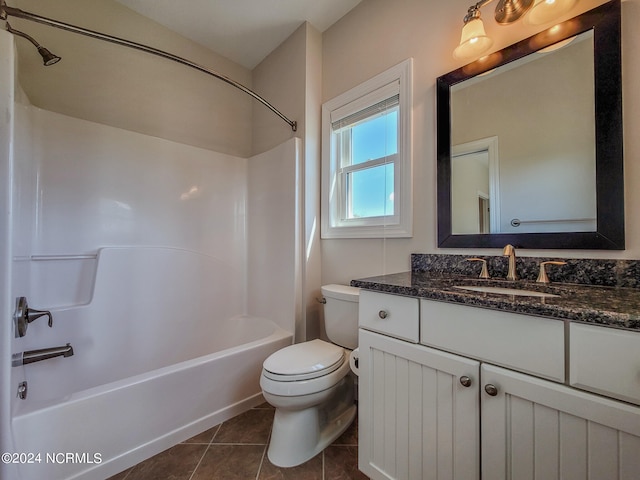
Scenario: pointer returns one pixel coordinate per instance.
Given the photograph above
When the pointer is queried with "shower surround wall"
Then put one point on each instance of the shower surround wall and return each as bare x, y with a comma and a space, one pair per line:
74, 187
98, 186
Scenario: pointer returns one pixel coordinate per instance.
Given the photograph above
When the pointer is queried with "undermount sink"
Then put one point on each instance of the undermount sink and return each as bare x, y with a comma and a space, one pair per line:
507, 291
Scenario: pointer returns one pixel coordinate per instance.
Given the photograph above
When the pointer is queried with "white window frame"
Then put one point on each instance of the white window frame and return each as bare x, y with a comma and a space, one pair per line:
334, 221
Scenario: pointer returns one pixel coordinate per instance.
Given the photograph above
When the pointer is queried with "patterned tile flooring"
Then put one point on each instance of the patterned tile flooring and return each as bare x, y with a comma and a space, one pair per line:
237, 450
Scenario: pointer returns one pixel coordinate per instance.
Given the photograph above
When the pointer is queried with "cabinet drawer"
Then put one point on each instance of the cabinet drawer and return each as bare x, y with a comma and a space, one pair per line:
605, 360
390, 314
521, 342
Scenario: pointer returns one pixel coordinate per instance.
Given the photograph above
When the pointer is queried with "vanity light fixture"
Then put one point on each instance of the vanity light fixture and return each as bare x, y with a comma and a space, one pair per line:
474, 41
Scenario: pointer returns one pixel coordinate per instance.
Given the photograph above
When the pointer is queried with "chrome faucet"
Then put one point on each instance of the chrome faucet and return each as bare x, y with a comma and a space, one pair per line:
510, 251
31, 356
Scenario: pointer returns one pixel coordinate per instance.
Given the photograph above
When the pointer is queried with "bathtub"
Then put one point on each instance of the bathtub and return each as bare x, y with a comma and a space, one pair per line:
157, 360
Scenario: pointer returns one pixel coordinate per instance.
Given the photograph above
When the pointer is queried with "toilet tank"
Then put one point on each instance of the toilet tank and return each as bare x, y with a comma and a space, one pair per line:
341, 314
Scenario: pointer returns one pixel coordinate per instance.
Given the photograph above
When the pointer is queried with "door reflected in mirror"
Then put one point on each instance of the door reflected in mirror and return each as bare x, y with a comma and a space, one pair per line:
538, 175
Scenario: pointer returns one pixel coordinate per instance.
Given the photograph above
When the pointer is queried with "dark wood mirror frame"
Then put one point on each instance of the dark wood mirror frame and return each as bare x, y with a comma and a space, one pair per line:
605, 21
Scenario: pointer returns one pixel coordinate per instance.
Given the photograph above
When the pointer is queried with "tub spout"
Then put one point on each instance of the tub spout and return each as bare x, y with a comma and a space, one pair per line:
31, 356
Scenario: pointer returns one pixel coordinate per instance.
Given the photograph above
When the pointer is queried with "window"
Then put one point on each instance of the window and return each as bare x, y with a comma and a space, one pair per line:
366, 181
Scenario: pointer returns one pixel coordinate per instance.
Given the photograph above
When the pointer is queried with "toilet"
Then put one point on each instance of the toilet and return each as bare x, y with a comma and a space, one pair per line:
311, 384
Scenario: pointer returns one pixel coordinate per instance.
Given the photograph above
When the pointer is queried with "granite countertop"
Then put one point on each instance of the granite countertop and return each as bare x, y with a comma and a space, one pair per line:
599, 305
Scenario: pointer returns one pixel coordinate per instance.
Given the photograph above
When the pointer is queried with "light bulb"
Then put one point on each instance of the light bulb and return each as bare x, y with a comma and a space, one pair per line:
545, 11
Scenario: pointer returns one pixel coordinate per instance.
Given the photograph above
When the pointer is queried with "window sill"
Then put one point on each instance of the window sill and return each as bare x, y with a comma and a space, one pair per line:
389, 231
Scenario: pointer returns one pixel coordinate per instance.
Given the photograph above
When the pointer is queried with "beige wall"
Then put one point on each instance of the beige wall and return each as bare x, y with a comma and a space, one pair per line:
281, 78
378, 34
125, 88
290, 77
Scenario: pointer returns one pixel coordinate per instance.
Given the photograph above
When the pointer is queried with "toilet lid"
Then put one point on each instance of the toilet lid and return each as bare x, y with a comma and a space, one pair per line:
303, 358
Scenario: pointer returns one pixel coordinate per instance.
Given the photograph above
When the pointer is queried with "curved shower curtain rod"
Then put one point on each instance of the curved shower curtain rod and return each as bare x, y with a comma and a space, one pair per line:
16, 12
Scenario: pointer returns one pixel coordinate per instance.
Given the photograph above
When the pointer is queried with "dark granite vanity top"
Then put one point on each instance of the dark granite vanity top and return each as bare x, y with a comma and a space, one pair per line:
612, 306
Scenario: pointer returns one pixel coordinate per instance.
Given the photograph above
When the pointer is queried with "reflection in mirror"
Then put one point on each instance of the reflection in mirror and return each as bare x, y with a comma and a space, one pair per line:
540, 176
530, 141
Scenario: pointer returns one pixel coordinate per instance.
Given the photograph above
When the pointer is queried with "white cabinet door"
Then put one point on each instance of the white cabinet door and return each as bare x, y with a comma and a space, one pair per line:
535, 429
417, 420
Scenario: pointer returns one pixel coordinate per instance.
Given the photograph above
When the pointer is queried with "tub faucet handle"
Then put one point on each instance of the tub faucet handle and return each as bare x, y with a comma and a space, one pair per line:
33, 314
24, 315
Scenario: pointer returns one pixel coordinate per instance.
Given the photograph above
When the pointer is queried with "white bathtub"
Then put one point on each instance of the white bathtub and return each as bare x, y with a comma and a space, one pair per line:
157, 360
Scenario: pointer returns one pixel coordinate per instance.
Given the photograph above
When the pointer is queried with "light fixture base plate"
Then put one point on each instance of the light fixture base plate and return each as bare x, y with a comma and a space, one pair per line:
508, 11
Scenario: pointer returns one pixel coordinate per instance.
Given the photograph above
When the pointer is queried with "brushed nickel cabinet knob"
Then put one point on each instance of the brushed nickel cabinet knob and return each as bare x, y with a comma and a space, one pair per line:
491, 389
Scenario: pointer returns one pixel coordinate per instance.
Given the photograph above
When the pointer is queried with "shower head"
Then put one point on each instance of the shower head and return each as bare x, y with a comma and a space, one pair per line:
48, 58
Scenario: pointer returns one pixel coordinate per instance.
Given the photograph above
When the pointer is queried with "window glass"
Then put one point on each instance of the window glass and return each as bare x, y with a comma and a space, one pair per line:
371, 192
367, 151
376, 137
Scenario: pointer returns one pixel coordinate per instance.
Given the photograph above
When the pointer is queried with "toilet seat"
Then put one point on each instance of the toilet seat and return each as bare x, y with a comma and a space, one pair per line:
303, 388
304, 369
304, 361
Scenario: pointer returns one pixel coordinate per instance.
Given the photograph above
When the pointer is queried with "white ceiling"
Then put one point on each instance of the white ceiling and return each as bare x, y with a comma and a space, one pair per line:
245, 31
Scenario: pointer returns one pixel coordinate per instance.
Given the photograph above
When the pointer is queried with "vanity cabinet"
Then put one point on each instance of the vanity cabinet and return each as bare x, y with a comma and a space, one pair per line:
483, 395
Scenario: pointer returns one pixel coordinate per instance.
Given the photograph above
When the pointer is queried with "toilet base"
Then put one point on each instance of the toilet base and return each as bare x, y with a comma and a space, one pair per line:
299, 435
287, 451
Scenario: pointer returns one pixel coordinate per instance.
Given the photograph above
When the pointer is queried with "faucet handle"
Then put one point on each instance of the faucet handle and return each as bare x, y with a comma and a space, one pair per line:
33, 314
24, 315
542, 275
485, 272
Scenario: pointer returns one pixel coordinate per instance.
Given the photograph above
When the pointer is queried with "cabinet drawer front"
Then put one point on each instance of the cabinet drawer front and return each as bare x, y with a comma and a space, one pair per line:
605, 360
390, 314
521, 342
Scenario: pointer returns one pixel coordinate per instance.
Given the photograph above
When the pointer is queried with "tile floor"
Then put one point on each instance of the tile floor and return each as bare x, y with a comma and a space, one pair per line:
237, 450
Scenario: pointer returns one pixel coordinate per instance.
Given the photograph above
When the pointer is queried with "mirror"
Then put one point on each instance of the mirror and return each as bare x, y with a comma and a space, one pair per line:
530, 141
